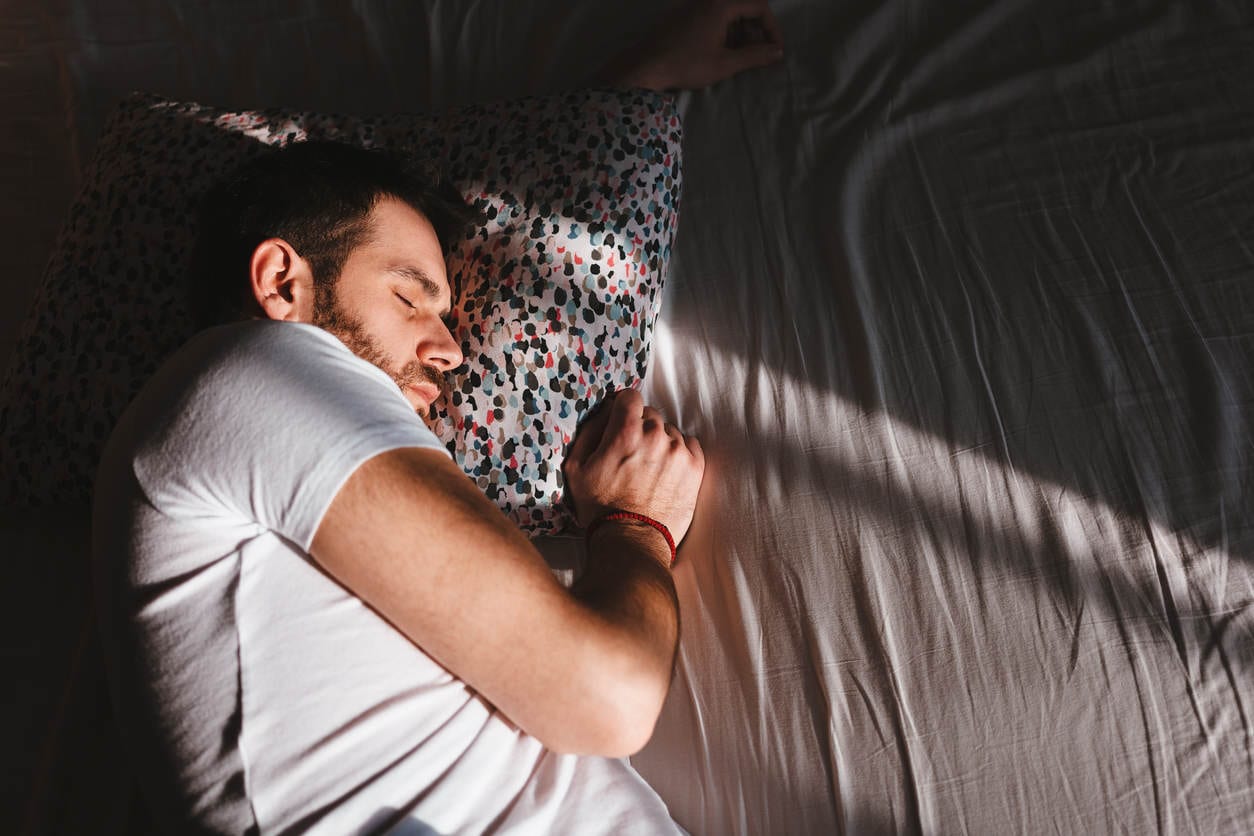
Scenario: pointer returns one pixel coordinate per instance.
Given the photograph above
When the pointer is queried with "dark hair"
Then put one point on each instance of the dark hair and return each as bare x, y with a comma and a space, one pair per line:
317, 196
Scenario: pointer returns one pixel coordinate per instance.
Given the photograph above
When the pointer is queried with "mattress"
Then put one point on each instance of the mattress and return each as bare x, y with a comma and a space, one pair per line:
962, 309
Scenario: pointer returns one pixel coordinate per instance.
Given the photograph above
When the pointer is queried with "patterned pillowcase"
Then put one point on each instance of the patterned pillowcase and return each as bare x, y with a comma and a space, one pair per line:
555, 297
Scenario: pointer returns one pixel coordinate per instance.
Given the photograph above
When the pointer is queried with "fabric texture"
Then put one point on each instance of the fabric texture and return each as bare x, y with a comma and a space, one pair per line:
555, 295
962, 313
257, 691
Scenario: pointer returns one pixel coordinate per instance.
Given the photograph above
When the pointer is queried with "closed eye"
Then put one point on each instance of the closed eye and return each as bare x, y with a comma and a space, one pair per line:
403, 299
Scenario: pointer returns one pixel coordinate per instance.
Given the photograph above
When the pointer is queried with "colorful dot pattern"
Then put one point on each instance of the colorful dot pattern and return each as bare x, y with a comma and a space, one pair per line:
555, 296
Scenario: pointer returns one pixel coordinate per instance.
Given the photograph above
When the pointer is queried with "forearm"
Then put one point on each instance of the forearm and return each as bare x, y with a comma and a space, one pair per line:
627, 582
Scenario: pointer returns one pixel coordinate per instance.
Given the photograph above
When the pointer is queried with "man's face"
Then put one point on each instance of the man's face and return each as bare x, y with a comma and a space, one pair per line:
391, 301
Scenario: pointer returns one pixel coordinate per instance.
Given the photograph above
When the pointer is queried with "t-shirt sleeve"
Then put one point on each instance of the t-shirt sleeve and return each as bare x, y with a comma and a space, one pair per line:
265, 423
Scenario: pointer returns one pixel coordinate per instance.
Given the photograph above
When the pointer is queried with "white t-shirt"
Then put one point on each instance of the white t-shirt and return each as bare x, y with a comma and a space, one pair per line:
257, 693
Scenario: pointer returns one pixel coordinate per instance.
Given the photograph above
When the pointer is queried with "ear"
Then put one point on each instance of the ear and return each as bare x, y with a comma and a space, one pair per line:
282, 282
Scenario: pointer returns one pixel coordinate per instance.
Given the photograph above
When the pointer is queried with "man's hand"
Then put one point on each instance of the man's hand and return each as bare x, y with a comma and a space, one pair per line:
626, 457
705, 42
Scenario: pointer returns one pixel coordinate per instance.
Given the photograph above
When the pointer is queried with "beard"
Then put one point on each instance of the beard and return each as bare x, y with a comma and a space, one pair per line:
330, 316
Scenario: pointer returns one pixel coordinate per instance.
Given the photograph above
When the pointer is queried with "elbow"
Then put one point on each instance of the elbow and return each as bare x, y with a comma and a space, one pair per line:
631, 730
618, 717
617, 734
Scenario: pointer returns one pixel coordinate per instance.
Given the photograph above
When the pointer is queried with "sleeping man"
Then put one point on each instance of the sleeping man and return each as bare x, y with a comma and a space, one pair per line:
313, 619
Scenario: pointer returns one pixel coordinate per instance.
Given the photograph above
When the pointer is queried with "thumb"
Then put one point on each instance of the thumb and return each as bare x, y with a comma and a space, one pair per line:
588, 434
751, 57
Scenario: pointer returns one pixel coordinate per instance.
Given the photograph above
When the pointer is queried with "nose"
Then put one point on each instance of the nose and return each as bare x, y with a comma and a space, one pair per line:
439, 350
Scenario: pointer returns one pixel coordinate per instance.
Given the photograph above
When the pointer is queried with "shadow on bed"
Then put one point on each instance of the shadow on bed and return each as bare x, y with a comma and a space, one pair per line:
1019, 233
1028, 237
936, 623
399, 825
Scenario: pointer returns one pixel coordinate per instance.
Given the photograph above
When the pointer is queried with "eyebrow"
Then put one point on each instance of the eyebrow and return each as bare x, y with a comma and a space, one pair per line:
420, 278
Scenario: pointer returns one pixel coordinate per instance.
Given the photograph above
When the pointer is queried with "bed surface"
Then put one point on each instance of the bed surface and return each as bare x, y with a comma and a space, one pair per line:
962, 309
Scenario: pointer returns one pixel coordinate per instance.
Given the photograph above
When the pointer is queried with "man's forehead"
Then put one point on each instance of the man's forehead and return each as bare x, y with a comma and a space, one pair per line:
406, 232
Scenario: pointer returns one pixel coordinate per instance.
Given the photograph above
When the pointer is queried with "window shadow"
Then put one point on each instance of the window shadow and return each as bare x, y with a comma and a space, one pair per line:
935, 652
1017, 227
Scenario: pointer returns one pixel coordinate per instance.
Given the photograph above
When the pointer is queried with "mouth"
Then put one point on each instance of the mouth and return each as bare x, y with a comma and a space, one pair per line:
427, 392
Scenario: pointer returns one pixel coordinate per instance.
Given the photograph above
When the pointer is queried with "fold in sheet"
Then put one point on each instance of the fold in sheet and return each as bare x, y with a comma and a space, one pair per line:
961, 310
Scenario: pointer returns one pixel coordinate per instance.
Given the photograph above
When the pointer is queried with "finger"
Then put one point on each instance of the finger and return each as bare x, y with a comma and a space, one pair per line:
754, 19
751, 24
751, 57
653, 419
771, 24
589, 433
694, 447
624, 421
733, 9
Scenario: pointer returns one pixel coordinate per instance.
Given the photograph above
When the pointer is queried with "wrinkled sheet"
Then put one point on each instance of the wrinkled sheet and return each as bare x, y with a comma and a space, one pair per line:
962, 308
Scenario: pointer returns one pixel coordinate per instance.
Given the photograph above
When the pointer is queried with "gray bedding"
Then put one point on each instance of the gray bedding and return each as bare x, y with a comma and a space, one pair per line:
962, 308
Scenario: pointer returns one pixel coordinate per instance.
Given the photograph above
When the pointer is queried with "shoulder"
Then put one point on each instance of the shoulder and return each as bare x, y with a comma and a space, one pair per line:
255, 366
261, 421
257, 389
265, 347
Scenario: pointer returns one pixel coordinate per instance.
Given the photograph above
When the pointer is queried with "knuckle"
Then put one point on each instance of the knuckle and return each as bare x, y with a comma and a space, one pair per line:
628, 433
628, 397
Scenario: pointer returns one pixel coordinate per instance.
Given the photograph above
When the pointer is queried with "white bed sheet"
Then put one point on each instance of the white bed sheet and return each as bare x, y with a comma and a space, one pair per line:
961, 310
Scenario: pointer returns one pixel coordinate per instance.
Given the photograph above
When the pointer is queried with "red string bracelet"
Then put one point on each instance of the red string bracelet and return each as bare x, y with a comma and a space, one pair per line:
629, 515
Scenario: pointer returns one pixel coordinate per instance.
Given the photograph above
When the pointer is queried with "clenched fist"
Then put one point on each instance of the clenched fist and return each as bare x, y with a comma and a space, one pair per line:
627, 458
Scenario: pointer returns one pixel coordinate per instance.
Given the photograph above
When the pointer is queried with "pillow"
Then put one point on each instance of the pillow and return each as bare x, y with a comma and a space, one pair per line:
555, 296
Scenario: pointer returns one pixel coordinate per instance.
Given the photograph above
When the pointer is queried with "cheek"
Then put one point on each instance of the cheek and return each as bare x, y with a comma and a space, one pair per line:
386, 318
393, 331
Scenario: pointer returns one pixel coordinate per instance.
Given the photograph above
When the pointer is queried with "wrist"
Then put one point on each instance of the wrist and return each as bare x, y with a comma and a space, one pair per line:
648, 534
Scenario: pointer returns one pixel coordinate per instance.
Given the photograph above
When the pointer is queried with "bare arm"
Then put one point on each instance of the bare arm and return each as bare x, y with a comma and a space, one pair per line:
583, 671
